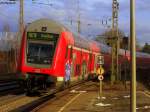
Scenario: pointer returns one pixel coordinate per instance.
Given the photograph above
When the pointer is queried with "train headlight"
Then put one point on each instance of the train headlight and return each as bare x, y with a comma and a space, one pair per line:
30, 60
47, 61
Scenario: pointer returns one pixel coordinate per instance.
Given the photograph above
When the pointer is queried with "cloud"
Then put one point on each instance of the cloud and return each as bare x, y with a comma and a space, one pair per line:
91, 12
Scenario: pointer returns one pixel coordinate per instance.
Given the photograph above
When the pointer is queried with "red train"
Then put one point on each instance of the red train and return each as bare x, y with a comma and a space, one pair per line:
142, 63
49, 49
52, 55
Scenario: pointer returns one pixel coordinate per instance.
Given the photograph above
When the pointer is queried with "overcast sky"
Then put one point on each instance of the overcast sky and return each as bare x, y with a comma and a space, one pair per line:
92, 12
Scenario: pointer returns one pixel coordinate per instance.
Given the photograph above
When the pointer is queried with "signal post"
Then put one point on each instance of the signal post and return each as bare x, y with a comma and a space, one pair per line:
100, 72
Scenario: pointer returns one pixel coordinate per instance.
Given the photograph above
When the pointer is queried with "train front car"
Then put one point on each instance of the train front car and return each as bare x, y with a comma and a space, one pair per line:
40, 46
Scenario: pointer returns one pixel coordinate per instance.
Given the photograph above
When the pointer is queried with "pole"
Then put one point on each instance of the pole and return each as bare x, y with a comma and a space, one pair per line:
100, 89
117, 53
21, 21
115, 42
133, 55
21, 27
112, 47
100, 92
78, 21
79, 24
125, 74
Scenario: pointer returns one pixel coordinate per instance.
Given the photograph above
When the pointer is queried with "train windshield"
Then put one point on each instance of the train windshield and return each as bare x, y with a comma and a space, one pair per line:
40, 53
41, 47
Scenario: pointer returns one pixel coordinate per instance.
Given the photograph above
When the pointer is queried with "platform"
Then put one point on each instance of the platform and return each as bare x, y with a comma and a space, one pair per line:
85, 99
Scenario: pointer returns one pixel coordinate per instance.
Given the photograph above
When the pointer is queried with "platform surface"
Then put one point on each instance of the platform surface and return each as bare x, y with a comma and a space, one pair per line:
86, 100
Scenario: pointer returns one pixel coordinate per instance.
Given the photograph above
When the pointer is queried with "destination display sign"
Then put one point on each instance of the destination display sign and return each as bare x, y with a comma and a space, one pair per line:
41, 36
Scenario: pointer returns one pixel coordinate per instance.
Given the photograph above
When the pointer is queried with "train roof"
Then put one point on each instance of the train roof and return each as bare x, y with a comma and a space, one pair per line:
55, 27
104, 48
107, 49
85, 43
80, 41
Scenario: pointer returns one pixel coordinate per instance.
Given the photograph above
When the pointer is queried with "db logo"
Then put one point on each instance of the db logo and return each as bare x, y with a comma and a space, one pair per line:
100, 77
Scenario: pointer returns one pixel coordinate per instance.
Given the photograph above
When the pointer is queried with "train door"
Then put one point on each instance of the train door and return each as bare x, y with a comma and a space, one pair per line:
73, 58
68, 65
90, 62
84, 70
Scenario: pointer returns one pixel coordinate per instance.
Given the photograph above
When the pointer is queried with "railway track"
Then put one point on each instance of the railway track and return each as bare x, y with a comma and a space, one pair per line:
70, 93
8, 85
25, 103
22, 103
8, 82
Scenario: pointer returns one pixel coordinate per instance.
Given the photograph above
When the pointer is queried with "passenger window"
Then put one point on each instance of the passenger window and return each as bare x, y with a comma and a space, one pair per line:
66, 52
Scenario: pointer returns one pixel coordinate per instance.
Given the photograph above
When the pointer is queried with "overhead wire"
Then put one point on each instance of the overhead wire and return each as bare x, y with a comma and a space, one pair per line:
63, 20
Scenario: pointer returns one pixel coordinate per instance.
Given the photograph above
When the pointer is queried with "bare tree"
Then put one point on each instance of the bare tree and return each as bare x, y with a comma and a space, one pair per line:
107, 35
146, 48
